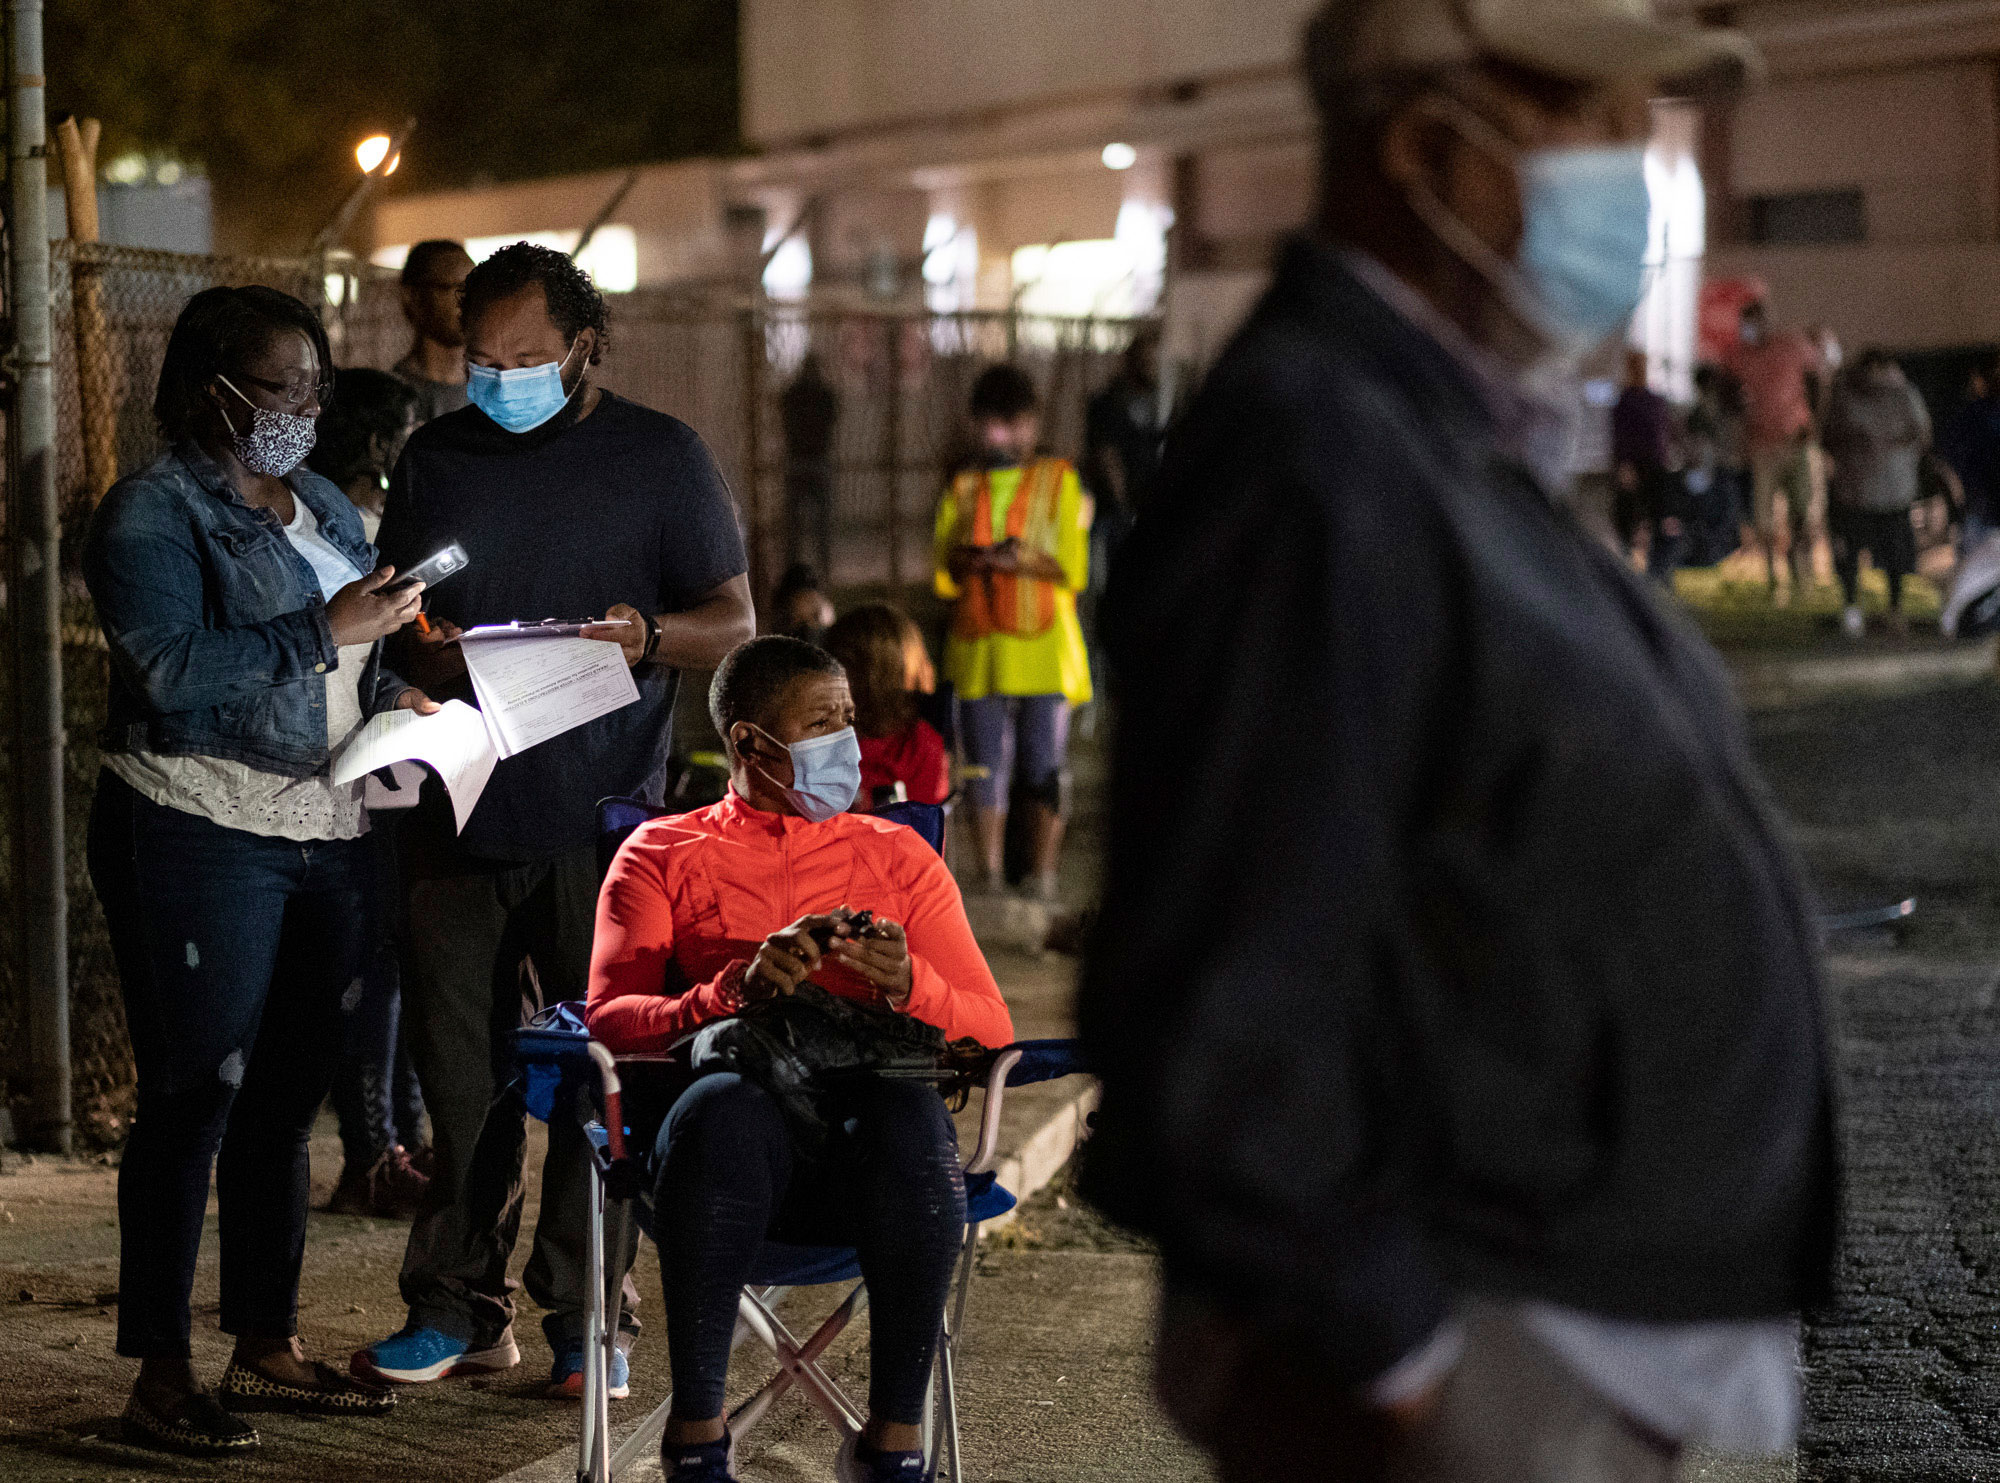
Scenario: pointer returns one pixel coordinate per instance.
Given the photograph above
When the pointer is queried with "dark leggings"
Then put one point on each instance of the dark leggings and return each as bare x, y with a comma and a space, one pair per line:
729, 1178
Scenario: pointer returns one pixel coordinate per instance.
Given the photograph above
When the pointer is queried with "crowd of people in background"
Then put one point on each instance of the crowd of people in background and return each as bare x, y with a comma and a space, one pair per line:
1803, 461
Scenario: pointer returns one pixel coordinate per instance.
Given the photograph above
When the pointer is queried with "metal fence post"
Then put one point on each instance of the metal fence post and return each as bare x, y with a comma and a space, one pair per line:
753, 452
892, 447
36, 595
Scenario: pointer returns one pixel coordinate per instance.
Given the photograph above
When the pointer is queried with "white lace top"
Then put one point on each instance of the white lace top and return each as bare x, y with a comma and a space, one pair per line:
239, 796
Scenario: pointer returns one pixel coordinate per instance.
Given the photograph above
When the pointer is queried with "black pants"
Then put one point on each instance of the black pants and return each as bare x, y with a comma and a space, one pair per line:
233, 953
728, 1178
1886, 535
469, 928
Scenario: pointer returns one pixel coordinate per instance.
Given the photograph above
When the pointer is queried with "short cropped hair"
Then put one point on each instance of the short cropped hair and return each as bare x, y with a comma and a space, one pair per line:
425, 253
366, 405
575, 305
218, 330
1005, 392
754, 676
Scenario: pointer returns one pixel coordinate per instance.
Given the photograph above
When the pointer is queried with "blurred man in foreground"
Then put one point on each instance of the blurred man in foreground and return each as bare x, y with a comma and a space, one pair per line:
1455, 995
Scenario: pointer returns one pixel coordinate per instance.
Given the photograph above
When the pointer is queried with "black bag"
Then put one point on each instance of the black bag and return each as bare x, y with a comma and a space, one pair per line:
803, 1047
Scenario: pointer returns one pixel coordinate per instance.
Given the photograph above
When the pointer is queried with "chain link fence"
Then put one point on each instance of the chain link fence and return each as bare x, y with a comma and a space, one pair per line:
899, 384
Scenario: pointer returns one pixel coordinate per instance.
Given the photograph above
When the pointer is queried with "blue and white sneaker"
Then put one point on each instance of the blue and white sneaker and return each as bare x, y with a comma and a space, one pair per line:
417, 1355
566, 1374
699, 1462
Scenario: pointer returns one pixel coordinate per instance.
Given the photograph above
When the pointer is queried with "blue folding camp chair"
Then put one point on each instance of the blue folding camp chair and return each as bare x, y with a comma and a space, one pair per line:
557, 1059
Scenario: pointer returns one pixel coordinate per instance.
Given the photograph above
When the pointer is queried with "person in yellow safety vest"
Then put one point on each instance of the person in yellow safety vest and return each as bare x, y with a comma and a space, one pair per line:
1012, 552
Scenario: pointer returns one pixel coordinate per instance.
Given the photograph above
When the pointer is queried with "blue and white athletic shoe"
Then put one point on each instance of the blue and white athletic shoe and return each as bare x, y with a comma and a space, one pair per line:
566, 1374
417, 1355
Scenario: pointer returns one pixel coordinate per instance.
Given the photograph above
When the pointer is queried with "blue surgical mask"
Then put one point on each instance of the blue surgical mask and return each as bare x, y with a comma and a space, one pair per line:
520, 400
826, 775
1586, 214
1588, 217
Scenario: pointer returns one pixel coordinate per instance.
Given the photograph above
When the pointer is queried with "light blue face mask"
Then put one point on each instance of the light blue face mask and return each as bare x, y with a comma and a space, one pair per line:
1588, 221
520, 400
826, 775
1587, 217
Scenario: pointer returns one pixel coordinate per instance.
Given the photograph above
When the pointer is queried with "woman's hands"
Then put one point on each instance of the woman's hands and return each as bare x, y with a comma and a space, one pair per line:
791, 955
787, 958
413, 699
882, 957
361, 612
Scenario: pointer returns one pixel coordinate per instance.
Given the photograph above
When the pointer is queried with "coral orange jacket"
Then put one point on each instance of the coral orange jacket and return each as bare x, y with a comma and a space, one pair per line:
691, 897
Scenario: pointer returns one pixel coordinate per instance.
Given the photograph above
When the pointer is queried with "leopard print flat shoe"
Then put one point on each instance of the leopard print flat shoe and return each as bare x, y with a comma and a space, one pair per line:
194, 1425
332, 1394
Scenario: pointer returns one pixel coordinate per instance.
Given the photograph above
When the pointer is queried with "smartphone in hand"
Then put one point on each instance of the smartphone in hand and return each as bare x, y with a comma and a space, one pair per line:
433, 569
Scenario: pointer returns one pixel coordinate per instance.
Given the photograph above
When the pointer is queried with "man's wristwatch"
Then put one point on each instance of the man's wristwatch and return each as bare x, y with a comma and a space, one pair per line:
652, 637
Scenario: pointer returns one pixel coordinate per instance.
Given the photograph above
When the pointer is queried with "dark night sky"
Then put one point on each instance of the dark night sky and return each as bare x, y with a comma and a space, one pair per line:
270, 96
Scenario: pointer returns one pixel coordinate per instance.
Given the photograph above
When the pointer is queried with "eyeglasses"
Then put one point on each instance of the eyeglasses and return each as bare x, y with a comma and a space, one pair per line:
293, 391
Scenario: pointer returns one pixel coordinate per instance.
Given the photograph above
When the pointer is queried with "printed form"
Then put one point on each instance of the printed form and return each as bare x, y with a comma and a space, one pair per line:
529, 687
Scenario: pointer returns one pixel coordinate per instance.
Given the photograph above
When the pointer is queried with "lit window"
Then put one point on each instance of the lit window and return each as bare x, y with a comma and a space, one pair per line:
1110, 277
789, 274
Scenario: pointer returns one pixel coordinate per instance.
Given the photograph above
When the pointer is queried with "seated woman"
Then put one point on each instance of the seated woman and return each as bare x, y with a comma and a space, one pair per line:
704, 912
884, 656
245, 625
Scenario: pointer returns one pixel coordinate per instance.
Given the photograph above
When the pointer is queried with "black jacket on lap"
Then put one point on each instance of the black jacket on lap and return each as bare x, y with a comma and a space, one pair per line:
1451, 942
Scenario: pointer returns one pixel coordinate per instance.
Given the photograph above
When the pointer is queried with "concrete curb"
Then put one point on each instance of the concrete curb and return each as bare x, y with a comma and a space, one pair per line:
1043, 1153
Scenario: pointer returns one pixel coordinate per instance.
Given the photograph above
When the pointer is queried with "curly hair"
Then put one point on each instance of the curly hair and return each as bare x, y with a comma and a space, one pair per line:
574, 302
218, 329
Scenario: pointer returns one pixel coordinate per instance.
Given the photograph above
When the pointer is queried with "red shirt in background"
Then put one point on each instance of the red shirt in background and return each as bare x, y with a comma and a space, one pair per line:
690, 898
913, 757
1774, 374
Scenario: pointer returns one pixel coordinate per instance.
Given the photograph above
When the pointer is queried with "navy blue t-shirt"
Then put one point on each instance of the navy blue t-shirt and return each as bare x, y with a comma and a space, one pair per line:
623, 506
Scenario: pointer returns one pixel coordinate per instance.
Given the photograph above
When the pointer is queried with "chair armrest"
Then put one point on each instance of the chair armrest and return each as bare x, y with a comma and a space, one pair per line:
614, 1109
989, 1113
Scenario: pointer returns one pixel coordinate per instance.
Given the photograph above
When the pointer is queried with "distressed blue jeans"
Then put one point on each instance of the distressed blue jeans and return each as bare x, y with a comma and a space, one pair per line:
233, 953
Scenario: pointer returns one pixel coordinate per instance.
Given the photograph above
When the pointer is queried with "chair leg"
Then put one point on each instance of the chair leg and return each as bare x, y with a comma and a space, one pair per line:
800, 1363
594, 1446
953, 1444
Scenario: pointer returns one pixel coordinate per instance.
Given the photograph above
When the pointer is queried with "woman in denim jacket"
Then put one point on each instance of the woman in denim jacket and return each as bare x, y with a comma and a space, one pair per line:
244, 622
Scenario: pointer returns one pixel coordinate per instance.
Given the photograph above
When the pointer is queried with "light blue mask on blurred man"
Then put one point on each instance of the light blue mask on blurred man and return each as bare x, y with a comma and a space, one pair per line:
1586, 224
1588, 219
520, 400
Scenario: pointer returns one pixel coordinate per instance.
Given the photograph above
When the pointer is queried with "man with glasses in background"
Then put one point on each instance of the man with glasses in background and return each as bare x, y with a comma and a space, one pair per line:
433, 273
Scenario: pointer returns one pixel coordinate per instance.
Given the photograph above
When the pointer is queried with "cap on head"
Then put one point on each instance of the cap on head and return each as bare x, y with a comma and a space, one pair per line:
1584, 41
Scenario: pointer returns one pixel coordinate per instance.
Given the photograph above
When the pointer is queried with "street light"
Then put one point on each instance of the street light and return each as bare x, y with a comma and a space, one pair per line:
371, 151
1120, 156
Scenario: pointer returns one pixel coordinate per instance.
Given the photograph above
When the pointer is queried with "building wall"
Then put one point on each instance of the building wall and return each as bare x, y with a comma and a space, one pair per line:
1895, 99
817, 67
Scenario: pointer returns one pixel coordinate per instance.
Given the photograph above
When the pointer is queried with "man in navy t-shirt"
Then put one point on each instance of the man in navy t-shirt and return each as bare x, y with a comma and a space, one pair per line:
571, 503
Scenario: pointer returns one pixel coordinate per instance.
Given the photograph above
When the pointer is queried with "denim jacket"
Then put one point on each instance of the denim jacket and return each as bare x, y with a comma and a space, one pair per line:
219, 638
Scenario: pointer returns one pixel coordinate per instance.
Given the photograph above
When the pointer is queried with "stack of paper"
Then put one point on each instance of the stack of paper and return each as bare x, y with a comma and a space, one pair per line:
529, 689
